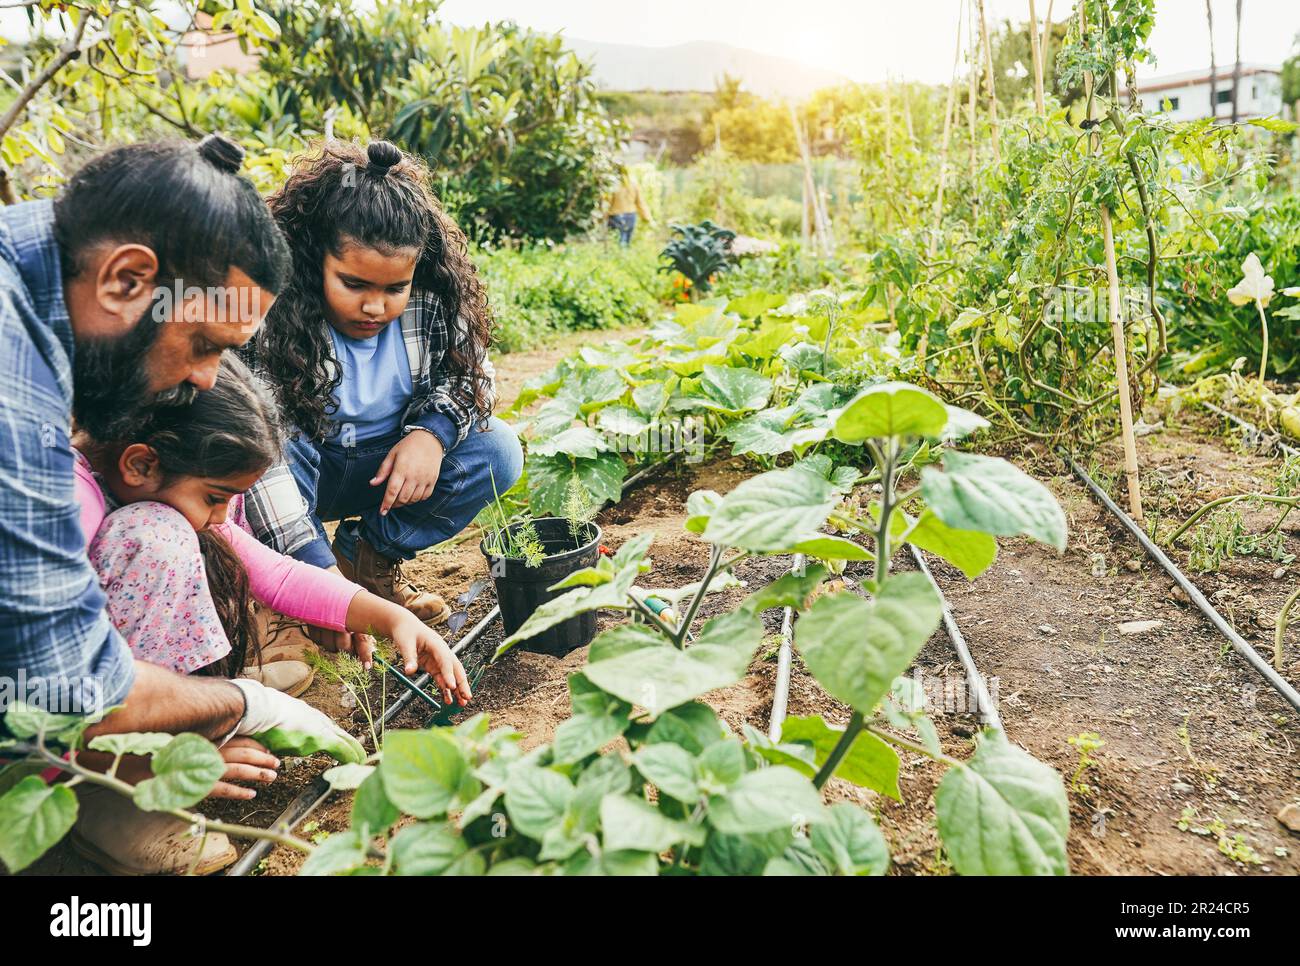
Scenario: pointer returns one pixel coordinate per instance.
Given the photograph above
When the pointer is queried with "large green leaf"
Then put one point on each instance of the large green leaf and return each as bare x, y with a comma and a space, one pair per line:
670, 768
422, 771
581, 441
850, 843
733, 390
185, 771
536, 798
989, 494
33, 817
855, 648
788, 590
638, 665
621, 421
629, 823
425, 848
1003, 813
970, 551
371, 807
143, 743
341, 853
869, 762
694, 726
769, 433
548, 480
766, 512
892, 409
585, 734
766, 800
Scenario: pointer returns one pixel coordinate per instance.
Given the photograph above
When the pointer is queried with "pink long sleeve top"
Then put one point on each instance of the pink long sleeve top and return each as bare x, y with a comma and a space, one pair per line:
285, 585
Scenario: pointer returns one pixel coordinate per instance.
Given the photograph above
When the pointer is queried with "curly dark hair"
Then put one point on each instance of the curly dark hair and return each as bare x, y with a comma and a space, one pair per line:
378, 197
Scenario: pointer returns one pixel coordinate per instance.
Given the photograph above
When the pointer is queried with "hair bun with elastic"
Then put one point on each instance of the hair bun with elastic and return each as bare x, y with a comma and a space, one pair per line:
383, 155
222, 153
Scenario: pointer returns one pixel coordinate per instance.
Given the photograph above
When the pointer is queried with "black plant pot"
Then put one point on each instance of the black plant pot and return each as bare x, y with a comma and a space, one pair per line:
522, 589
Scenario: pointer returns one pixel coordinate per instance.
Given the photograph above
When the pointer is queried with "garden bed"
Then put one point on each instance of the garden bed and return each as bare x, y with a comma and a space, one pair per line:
1192, 736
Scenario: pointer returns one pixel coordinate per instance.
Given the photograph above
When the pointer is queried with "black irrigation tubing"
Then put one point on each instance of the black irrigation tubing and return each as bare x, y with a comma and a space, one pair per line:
311, 797
976, 685
1250, 428
1239, 643
640, 475
784, 663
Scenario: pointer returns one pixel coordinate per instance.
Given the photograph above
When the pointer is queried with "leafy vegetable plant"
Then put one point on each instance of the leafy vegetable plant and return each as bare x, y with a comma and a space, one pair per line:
679, 793
699, 252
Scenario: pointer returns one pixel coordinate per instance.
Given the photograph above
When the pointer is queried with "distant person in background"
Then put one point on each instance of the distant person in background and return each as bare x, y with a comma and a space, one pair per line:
624, 205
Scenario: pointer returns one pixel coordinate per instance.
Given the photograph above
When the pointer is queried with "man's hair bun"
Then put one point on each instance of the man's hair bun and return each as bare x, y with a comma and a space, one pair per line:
383, 155
222, 153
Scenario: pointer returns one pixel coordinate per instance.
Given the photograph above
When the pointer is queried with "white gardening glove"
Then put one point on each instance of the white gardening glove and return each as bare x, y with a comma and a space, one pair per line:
287, 726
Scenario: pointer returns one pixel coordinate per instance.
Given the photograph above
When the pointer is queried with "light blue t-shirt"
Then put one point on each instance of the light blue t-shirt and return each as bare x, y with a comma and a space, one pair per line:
376, 386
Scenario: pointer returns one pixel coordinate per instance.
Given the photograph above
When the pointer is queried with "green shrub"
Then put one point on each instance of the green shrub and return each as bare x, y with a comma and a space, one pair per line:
537, 293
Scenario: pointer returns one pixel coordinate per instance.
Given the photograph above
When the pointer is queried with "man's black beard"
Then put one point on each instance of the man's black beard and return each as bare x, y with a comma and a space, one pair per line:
111, 399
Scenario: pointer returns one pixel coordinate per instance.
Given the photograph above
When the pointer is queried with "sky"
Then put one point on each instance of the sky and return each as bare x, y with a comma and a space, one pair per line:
867, 39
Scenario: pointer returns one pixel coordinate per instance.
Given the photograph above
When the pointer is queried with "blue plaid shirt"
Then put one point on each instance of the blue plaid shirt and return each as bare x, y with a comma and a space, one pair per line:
52, 619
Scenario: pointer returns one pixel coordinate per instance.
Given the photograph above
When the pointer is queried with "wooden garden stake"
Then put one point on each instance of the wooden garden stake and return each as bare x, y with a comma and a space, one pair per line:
1121, 370
1036, 50
988, 76
973, 92
1046, 42
947, 137
1116, 317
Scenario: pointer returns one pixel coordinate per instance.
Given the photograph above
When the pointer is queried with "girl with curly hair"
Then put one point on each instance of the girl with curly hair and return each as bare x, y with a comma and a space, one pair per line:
377, 356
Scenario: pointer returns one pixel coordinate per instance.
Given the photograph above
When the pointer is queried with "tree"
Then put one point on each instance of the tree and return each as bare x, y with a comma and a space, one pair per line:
88, 64
1291, 77
507, 118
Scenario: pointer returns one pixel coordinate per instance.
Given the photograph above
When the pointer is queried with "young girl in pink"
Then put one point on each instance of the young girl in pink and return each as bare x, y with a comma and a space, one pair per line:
180, 575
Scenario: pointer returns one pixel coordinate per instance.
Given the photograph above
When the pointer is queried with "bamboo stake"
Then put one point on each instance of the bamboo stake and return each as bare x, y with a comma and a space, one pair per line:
1121, 370
988, 76
1046, 43
1036, 51
1116, 317
947, 137
972, 93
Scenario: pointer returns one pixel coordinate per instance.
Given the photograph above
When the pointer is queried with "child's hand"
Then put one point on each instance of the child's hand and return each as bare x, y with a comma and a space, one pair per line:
424, 648
362, 646
411, 469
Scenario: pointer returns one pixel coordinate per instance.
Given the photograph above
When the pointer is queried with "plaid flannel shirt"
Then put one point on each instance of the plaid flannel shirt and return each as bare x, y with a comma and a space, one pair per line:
52, 619
441, 404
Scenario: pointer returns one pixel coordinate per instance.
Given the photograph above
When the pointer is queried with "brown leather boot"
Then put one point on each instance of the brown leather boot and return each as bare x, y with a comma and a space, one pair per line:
123, 840
380, 575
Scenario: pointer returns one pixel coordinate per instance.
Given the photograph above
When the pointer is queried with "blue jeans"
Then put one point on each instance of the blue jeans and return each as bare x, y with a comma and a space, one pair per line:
624, 224
335, 482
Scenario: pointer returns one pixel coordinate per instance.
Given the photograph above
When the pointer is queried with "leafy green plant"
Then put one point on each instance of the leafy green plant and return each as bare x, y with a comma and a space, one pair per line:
1085, 743
699, 253
512, 541
687, 796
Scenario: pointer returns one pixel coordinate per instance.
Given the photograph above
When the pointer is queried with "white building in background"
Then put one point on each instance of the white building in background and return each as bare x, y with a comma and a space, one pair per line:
1186, 96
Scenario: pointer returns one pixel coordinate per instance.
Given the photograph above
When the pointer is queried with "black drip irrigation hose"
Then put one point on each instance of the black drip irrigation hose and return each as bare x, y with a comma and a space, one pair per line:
640, 476
976, 685
314, 795
784, 663
1250, 428
1239, 643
